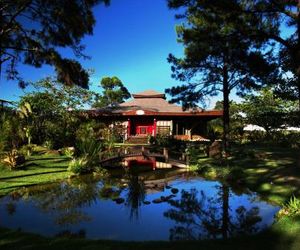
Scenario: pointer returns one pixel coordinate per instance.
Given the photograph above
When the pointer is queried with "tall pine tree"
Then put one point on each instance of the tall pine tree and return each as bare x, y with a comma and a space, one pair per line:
220, 53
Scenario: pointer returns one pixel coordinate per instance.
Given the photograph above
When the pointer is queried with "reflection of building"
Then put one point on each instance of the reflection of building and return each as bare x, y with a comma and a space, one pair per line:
149, 114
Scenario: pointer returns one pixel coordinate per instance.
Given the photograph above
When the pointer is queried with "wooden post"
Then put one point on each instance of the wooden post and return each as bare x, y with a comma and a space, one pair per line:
154, 127
128, 128
166, 154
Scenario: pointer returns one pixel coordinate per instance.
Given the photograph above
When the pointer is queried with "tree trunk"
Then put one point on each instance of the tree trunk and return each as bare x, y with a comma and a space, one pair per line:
225, 208
226, 92
298, 53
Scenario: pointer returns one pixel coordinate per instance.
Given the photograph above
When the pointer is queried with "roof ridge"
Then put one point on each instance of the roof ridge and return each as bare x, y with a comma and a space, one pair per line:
149, 92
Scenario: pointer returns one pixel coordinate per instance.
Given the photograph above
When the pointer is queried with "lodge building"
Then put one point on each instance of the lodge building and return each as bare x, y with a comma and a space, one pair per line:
150, 114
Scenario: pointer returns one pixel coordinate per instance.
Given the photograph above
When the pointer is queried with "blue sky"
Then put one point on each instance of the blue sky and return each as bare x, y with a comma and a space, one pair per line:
131, 40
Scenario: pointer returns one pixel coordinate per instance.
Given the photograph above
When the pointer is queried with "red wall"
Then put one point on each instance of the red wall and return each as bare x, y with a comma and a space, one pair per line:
142, 127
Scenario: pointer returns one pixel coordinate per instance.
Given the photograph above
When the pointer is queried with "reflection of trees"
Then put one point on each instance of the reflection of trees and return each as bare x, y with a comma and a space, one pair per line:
66, 233
11, 208
198, 216
135, 194
66, 200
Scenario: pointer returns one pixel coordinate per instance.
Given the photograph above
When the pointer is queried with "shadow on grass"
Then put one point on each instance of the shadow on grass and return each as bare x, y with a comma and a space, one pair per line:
276, 238
273, 173
34, 174
52, 159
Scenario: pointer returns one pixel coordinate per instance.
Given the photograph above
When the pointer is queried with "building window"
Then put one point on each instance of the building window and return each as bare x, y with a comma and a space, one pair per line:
163, 130
143, 130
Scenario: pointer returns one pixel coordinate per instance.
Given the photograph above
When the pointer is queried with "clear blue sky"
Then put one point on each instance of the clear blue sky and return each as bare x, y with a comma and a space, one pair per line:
132, 40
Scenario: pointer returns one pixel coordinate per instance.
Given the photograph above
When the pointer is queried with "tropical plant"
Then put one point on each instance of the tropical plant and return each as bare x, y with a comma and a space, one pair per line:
290, 208
13, 159
79, 166
69, 151
25, 112
87, 144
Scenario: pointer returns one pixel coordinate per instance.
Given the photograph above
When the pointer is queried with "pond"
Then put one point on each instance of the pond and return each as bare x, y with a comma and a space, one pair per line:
137, 204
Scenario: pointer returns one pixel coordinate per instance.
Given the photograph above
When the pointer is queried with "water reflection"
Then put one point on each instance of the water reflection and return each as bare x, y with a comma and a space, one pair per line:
198, 216
135, 195
136, 205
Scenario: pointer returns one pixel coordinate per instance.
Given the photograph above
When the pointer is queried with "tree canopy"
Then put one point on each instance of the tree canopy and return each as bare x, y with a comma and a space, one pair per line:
266, 110
33, 31
114, 92
287, 14
53, 111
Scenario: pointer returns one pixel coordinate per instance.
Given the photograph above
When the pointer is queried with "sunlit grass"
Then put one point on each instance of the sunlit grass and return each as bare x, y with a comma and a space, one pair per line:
38, 169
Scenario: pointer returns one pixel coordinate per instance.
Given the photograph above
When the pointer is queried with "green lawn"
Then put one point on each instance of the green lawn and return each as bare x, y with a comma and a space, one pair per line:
38, 169
273, 173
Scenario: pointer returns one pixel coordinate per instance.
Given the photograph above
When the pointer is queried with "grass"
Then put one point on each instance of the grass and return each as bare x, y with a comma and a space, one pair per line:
38, 169
273, 173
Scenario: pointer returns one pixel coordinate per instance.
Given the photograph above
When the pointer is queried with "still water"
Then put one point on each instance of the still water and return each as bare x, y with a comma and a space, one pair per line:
137, 204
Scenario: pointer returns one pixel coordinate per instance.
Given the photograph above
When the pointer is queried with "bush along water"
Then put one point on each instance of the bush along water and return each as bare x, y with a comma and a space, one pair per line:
13, 159
87, 151
290, 208
79, 166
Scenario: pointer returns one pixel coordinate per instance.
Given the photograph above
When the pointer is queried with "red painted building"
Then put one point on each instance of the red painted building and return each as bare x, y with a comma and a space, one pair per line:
149, 114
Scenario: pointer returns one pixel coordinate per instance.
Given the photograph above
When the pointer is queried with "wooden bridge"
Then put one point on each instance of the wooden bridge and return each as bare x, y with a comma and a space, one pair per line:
146, 155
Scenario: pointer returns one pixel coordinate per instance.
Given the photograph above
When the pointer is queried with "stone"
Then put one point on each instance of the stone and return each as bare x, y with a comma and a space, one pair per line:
169, 197
158, 200
215, 150
163, 198
174, 190
119, 200
146, 202
168, 187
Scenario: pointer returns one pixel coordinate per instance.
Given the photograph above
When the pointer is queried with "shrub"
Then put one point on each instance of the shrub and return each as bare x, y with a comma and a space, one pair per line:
13, 159
69, 151
162, 140
11, 132
291, 208
208, 171
195, 151
90, 148
79, 166
27, 149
